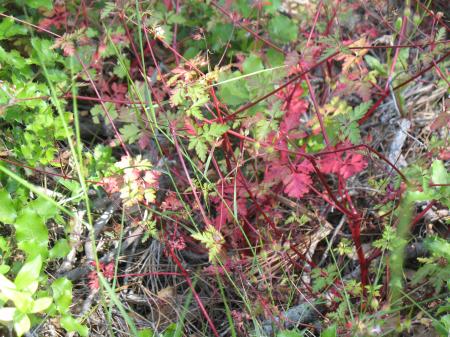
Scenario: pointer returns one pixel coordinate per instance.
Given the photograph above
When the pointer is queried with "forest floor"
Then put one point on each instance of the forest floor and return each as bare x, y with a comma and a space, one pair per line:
224, 168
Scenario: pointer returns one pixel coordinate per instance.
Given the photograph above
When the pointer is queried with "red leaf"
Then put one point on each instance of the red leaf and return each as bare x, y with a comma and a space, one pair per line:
190, 129
298, 183
352, 164
345, 164
294, 105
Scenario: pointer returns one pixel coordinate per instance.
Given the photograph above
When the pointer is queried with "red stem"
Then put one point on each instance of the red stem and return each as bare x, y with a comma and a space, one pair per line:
194, 292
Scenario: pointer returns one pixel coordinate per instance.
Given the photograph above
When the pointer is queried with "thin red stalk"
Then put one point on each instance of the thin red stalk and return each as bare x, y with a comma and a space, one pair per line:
317, 109
439, 72
31, 25
194, 292
175, 30
432, 44
176, 53
412, 45
281, 87
302, 256
130, 39
439, 19
421, 214
64, 176
330, 22
397, 50
155, 62
154, 273
371, 149
186, 172
355, 228
423, 71
310, 88
310, 157
316, 17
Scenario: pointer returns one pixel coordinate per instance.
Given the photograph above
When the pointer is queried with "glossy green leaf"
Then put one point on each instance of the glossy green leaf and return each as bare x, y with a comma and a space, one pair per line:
289, 333
146, 333
29, 273
22, 323
7, 314
4, 268
62, 293
44, 207
7, 211
41, 304
60, 249
31, 233
329, 332
70, 324
439, 174
47, 4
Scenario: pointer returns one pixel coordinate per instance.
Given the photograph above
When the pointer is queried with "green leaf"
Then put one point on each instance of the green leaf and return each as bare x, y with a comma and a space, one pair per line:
146, 333
31, 233
438, 246
70, 324
22, 323
252, 64
4, 268
7, 314
97, 112
439, 174
122, 68
375, 64
360, 110
62, 294
41, 304
44, 51
7, 212
6, 284
289, 333
130, 133
22, 300
44, 207
275, 57
234, 92
60, 249
29, 273
47, 4
217, 130
9, 28
353, 133
212, 239
272, 6
201, 149
331, 331
283, 29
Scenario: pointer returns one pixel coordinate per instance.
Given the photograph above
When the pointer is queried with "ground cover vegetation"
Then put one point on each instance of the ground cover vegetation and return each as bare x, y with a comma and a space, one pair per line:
224, 168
